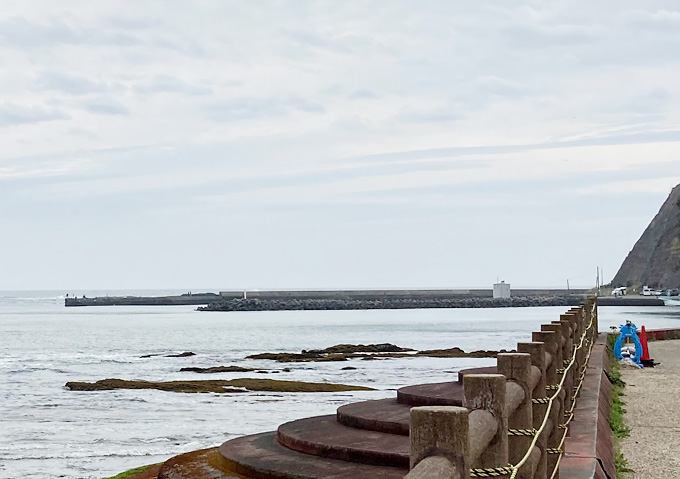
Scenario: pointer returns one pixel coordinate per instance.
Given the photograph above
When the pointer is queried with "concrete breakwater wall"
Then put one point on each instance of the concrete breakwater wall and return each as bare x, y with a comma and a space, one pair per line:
184, 299
386, 302
344, 299
394, 293
628, 301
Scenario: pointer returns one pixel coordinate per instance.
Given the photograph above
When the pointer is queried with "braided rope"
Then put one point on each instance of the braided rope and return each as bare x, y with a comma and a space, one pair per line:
585, 344
522, 432
492, 471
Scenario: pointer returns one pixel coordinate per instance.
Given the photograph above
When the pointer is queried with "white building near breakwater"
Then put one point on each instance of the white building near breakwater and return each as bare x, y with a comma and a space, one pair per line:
501, 290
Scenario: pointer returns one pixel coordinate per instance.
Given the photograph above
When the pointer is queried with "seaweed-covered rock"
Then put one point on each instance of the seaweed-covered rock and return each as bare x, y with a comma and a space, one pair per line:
360, 348
458, 353
371, 352
218, 369
218, 386
339, 352
185, 354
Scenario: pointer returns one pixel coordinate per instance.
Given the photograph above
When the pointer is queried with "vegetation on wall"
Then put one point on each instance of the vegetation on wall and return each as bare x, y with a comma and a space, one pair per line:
617, 415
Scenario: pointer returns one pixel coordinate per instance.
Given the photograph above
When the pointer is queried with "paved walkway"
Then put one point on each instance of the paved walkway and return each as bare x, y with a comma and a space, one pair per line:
652, 397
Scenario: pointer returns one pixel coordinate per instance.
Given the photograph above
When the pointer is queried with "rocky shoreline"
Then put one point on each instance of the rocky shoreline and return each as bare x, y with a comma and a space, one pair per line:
344, 352
295, 304
242, 385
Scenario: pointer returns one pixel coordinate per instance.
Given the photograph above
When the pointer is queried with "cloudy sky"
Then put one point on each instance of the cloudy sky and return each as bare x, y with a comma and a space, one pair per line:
319, 144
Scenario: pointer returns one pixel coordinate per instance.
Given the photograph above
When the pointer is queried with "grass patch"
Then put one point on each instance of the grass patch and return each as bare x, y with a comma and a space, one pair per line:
617, 420
132, 472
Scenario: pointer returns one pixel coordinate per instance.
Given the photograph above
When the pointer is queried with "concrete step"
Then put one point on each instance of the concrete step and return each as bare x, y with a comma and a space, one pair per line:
262, 457
324, 436
439, 394
485, 370
383, 415
202, 464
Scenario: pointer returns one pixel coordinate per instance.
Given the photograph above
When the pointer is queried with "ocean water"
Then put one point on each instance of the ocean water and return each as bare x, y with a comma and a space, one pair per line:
47, 431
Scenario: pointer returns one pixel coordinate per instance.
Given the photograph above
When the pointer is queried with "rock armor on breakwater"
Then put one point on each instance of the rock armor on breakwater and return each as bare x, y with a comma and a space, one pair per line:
283, 304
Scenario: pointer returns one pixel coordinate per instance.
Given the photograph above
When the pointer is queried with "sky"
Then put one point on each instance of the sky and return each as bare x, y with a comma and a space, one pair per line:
332, 144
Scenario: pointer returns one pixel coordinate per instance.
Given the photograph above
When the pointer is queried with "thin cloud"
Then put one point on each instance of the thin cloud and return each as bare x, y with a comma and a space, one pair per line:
12, 114
260, 108
650, 186
431, 115
66, 83
362, 94
105, 106
171, 84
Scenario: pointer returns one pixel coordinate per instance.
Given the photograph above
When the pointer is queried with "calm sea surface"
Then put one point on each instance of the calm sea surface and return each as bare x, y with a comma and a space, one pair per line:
47, 431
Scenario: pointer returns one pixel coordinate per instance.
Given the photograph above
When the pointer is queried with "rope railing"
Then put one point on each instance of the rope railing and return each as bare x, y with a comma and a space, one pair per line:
515, 422
553, 398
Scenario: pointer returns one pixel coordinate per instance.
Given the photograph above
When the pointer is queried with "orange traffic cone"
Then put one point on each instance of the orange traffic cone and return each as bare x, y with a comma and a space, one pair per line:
645, 359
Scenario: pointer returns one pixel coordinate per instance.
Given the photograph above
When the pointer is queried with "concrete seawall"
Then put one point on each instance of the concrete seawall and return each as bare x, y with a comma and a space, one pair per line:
589, 449
185, 299
396, 293
346, 299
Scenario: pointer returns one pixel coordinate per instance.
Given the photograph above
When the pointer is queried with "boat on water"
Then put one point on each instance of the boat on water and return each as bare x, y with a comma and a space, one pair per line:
671, 301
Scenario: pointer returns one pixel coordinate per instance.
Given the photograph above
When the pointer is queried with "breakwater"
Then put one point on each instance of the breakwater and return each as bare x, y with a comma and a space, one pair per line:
424, 302
184, 299
343, 299
629, 301
361, 299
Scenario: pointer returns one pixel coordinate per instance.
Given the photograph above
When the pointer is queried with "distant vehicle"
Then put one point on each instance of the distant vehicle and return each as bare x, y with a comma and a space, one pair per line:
647, 291
620, 291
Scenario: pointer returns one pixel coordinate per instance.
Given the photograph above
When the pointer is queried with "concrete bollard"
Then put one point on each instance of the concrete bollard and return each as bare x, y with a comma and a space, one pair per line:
568, 334
548, 338
556, 417
440, 431
568, 323
579, 316
435, 467
516, 367
559, 340
593, 309
485, 394
551, 340
537, 352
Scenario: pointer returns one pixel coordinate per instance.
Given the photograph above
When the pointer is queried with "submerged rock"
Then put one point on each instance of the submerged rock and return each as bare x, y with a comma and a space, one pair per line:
458, 353
343, 352
217, 386
360, 348
218, 369
339, 352
185, 354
